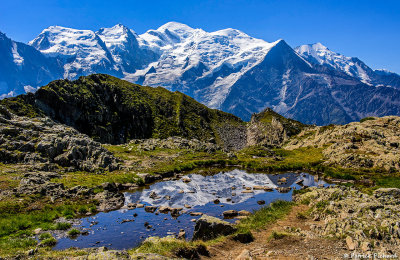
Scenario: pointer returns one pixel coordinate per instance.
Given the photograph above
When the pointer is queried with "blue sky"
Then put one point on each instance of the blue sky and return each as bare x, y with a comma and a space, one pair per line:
369, 30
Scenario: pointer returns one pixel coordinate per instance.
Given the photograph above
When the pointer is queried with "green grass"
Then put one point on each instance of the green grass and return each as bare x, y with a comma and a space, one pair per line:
367, 119
265, 216
22, 222
388, 182
73, 232
278, 235
168, 246
90, 179
299, 159
44, 236
49, 242
12, 246
61, 226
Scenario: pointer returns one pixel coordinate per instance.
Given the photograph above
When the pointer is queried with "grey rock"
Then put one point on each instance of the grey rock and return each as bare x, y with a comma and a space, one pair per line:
208, 227
109, 200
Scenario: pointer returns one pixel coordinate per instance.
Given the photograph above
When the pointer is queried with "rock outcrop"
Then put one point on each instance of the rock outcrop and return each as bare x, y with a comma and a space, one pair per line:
268, 128
176, 142
41, 140
359, 218
374, 142
109, 200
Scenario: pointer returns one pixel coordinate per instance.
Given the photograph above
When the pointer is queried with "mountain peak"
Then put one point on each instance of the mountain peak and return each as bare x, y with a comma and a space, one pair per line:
175, 26
117, 33
319, 46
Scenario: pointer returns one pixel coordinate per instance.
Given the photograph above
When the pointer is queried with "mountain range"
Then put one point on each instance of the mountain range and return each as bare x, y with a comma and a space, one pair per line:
226, 69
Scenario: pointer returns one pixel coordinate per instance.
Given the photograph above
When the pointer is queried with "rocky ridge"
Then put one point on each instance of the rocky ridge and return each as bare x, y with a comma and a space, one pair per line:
42, 141
374, 142
115, 111
268, 128
176, 142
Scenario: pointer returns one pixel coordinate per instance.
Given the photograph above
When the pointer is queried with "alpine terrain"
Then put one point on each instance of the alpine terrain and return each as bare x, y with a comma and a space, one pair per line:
225, 69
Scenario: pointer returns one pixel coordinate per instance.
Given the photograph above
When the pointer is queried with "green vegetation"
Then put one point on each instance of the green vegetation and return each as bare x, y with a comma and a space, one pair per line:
49, 242
10, 246
388, 181
73, 232
21, 106
158, 113
367, 119
93, 179
291, 126
265, 216
278, 235
284, 160
18, 219
44, 236
170, 246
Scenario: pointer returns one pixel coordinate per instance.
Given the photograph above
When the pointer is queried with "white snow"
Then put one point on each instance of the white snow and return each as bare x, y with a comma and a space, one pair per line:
83, 46
323, 56
18, 60
30, 89
184, 48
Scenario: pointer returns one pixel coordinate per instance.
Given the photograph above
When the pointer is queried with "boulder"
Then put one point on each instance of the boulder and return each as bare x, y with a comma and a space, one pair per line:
164, 209
150, 209
283, 189
181, 234
109, 200
149, 178
109, 186
244, 255
208, 227
244, 213
230, 213
244, 237
351, 245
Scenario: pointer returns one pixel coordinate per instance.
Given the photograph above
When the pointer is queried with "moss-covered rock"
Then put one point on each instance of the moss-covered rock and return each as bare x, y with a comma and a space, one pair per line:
114, 111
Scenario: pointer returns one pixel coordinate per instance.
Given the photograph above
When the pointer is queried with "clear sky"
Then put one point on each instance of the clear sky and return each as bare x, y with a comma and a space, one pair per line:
369, 30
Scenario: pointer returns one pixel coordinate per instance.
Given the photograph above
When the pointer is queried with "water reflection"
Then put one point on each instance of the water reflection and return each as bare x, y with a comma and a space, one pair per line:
125, 228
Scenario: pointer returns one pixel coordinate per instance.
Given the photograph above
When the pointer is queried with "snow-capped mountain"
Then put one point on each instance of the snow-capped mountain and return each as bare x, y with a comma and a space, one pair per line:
201, 64
23, 68
319, 54
226, 69
81, 51
310, 93
126, 51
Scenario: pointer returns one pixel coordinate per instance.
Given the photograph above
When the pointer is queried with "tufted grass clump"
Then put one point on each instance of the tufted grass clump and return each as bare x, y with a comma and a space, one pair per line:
73, 232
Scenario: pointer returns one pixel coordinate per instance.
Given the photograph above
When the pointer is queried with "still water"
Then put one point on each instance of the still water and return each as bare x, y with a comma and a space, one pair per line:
125, 228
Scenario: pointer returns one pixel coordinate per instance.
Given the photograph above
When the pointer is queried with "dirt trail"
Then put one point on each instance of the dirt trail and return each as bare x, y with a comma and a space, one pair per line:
289, 247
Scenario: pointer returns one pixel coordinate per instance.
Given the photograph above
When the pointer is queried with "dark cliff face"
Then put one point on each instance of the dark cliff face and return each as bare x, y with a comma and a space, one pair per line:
114, 111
